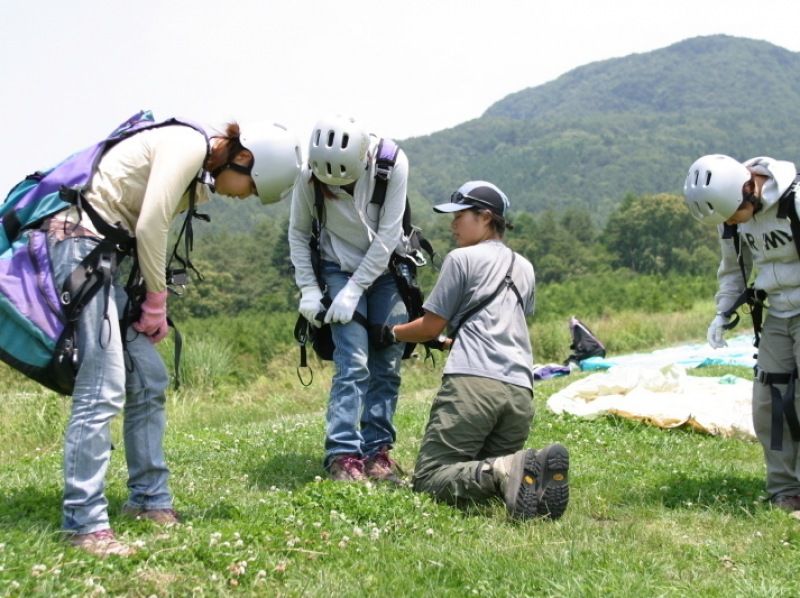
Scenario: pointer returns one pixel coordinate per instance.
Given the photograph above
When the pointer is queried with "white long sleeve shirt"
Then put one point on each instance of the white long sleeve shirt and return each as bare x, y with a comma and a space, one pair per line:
357, 235
767, 245
141, 184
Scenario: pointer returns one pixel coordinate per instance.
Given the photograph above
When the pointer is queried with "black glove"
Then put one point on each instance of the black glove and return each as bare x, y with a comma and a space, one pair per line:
436, 343
381, 336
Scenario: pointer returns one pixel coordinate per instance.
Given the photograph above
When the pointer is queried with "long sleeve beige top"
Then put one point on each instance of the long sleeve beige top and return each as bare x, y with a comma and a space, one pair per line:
141, 184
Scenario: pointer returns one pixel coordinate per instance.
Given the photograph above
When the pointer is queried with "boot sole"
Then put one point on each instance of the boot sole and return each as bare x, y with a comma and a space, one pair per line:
555, 480
544, 487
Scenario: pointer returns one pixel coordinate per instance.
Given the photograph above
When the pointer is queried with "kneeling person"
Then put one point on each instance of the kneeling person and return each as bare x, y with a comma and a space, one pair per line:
473, 444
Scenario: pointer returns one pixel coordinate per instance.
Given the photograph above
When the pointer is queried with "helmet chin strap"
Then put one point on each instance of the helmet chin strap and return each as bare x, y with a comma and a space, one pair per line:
247, 170
234, 150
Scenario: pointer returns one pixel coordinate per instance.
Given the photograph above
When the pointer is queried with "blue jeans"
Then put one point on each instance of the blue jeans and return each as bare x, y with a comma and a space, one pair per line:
366, 383
111, 375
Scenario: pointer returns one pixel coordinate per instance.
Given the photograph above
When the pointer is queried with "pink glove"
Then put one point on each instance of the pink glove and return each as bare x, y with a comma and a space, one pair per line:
153, 321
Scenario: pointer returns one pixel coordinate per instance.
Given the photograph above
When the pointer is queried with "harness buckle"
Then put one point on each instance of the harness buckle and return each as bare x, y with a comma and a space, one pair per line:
383, 170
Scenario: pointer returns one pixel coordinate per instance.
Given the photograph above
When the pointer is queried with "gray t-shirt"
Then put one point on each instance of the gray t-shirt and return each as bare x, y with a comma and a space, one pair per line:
494, 342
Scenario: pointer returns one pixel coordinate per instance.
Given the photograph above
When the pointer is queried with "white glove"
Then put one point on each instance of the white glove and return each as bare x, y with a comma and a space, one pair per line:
311, 304
715, 332
344, 304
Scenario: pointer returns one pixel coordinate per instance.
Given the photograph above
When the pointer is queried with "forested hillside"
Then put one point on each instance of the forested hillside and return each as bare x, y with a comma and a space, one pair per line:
626, 125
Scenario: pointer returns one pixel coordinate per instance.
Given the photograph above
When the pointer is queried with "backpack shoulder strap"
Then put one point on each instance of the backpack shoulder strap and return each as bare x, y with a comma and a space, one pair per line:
316, 232
384, 165
787, 208
507, 282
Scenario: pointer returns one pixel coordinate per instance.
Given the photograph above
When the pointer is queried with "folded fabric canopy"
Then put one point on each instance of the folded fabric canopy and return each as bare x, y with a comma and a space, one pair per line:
666, 397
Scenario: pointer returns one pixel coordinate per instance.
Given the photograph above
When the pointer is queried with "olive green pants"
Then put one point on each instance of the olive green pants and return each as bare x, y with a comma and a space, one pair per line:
472, 419
778, 352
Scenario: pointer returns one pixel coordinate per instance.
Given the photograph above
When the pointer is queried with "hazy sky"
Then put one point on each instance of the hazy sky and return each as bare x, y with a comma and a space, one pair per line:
73, 69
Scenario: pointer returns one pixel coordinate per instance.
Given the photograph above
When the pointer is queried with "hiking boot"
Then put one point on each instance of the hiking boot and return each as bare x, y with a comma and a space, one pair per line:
534, 483
347, 468
382, 468
163, 517
102, 544
787, 503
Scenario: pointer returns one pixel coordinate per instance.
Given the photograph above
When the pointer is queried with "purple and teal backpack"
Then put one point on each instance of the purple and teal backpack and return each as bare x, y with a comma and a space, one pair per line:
37, 319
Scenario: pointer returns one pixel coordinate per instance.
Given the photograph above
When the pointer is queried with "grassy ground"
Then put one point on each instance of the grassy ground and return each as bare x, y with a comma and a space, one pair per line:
653, 512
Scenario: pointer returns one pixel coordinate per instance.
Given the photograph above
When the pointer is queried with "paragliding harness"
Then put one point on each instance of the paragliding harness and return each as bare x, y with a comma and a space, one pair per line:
506, 284
402, 267
584, 343
782, 405
38, 323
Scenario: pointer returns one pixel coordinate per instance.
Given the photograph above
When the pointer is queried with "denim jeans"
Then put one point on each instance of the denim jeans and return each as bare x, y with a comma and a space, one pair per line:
366, 382
111, 376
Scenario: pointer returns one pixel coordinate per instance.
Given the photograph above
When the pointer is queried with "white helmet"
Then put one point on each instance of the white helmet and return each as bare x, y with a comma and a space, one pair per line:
713, 187
338, 150
276, 158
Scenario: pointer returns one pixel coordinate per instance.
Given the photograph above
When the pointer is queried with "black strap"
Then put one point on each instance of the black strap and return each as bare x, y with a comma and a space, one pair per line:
783, 406
787, 208
187, 235
507, 283
385, 160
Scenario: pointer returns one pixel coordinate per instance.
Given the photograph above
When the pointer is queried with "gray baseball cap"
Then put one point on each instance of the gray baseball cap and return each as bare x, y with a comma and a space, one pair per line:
476, 194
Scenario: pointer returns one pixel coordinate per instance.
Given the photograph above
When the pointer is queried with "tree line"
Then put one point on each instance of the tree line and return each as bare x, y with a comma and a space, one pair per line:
646, 242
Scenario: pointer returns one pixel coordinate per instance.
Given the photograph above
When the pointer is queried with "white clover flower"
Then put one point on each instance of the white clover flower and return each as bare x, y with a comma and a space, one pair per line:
358, 532
429, 531
37, 570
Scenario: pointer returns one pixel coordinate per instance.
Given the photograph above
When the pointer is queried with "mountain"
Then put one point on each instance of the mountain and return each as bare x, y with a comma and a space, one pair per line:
619, 126
606, 129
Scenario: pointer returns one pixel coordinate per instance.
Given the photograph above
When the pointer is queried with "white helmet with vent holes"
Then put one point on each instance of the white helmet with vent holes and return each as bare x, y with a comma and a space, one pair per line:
713, 187
337, 152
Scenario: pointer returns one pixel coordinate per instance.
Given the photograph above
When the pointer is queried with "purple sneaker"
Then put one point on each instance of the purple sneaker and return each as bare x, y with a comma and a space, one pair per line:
347, 468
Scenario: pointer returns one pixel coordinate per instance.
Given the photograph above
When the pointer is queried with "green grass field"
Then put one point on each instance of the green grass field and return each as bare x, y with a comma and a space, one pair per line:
653, 512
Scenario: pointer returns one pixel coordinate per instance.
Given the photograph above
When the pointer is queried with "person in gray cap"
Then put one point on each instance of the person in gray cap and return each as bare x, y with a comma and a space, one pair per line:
472, 449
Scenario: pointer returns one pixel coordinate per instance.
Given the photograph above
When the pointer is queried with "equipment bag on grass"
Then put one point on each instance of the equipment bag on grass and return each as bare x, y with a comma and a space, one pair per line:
37, 319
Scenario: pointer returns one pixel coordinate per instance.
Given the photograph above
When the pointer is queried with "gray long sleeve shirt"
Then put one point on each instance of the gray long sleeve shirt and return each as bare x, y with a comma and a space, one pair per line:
357, 235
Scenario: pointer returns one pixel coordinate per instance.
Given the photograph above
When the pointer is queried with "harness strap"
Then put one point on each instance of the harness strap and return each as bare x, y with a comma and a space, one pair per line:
384, 164
94, 272
787, 208
507, 283
782, 406
751, 296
